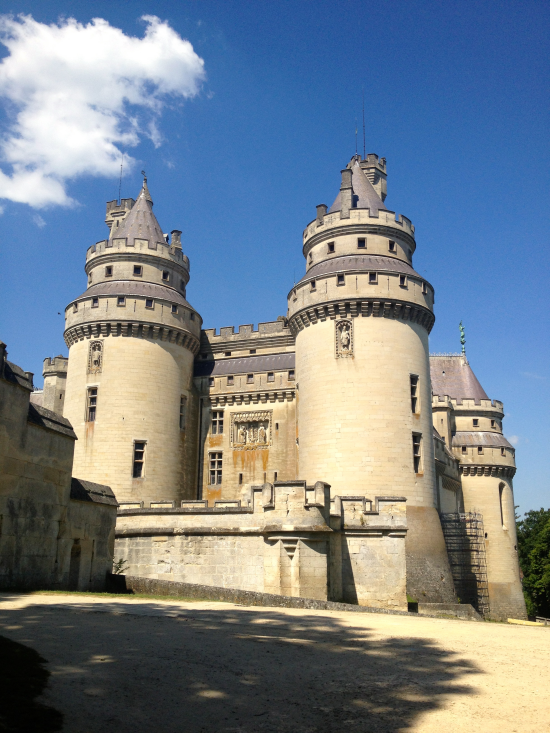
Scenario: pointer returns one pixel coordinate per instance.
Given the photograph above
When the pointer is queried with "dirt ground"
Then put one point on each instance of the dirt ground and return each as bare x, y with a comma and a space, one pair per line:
123, 664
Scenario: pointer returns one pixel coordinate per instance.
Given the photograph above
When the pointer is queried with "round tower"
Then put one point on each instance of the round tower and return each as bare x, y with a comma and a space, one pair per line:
132, 338
487, 467
361, 317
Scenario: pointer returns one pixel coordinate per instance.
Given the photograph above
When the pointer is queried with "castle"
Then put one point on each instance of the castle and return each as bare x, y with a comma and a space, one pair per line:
324, 454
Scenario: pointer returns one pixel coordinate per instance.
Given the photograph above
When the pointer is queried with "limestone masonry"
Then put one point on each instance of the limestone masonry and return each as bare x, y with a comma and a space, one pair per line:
324, 454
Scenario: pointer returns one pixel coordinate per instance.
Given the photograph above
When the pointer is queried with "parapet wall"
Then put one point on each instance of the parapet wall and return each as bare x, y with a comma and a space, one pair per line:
283, 538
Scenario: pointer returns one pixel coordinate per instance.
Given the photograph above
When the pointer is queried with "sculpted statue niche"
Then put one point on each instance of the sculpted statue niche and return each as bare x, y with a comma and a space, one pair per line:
344, 338
251, 429
95, 357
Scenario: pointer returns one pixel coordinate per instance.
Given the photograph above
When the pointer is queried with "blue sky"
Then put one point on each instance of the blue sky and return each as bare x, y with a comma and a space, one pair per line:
456, 98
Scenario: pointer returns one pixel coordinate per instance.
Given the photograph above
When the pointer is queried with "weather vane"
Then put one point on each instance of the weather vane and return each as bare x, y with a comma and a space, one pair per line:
462, 338
144, 174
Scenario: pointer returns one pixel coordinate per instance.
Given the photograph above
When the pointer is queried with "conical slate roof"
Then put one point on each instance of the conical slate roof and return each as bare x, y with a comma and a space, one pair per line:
453, 376
140, 223
366, 196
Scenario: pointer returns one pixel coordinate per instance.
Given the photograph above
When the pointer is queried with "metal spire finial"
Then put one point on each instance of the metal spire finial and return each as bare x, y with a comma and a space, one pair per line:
462, 338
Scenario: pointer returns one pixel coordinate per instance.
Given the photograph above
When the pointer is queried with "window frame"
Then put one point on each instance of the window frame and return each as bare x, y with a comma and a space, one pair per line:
119, 303
330, 248
108, 271
151, 301
271, 376
138, 271
216, 422
138, 460
166, 276
95, 302
392, 246
417, 454
215, 468
91, 404
414, 382
373, 278
340, 280
362, 240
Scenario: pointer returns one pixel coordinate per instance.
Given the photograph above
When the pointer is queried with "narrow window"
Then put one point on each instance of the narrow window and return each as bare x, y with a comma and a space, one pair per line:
227, 353
417, 452
291, 375
330, 247
215, 468
265, 477
361, 243
230, 381
210, 381
475, 422
109, 271
414, 393
275, 474
182, 286
183, 411
424, 289
340, 280
91, 404
95, 302
312, 285
250, 379
240, 479
503, 451
480, 450
392, 246
149, 302
310, 257
403, 281
252, 351
166, 276
373, 278
138, 270
191, 316
217, 422
500, 497
139, 459
75, 307
90, 279
174, 308
464, 449
270, 377
493, 424
121, 301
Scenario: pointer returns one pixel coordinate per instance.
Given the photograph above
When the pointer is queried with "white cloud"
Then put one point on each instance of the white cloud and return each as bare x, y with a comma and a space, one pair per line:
77, 95
513, 439
39, 221
532, 375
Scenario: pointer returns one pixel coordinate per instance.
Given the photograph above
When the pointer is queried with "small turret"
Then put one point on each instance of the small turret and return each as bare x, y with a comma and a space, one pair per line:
55, 379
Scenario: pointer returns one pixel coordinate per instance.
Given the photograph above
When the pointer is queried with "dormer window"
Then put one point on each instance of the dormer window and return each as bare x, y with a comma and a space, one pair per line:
250, 379
138, 270
330, 247
312, 285
165, 276
362, 243
95, 302
464, 449
270, 377
391, 246
340, 280
174, 308
475, 422
149, 302
230, 381
291, 375
403, 281
373, 278
121, 301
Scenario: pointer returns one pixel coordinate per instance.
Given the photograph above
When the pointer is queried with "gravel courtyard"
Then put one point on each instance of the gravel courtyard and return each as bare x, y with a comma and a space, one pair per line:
134, 664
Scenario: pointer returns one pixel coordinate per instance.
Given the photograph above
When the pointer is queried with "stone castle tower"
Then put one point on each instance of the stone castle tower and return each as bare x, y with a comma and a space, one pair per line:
341, 391
132, 339
361, 318
471, 423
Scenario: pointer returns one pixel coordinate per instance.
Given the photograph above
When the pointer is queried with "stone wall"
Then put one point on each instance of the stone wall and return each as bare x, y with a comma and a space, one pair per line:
283, 538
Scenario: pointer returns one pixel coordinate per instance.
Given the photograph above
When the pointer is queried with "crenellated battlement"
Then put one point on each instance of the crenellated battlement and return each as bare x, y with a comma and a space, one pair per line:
360, 216
55, 364
118, 246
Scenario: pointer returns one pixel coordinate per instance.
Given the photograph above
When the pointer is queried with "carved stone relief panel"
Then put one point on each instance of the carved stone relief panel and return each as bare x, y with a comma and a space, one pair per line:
344, 338
95, 357
251, 430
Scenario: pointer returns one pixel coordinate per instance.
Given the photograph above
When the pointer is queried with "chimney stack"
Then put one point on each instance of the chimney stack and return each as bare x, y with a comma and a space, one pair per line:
321, 213
346, 194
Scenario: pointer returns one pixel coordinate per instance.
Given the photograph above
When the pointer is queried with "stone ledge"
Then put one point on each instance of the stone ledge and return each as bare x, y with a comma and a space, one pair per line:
153, 586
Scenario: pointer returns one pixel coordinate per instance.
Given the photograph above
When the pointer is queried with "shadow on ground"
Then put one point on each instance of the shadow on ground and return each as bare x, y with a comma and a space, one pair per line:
23, 678
233, 671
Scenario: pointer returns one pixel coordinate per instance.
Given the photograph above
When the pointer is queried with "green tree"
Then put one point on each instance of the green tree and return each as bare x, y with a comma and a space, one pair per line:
534, 558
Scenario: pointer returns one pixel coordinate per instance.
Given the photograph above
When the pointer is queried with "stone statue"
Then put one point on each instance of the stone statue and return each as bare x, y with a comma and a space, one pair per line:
241, 435
262, 435
345, 338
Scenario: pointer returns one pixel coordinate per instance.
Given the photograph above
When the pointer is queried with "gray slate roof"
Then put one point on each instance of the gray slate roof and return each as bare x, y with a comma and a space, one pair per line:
245, 365
367, 198
453, 376
480, 437
88, 491
49, 420
140, 222
358, 263
15, 375
134, 287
